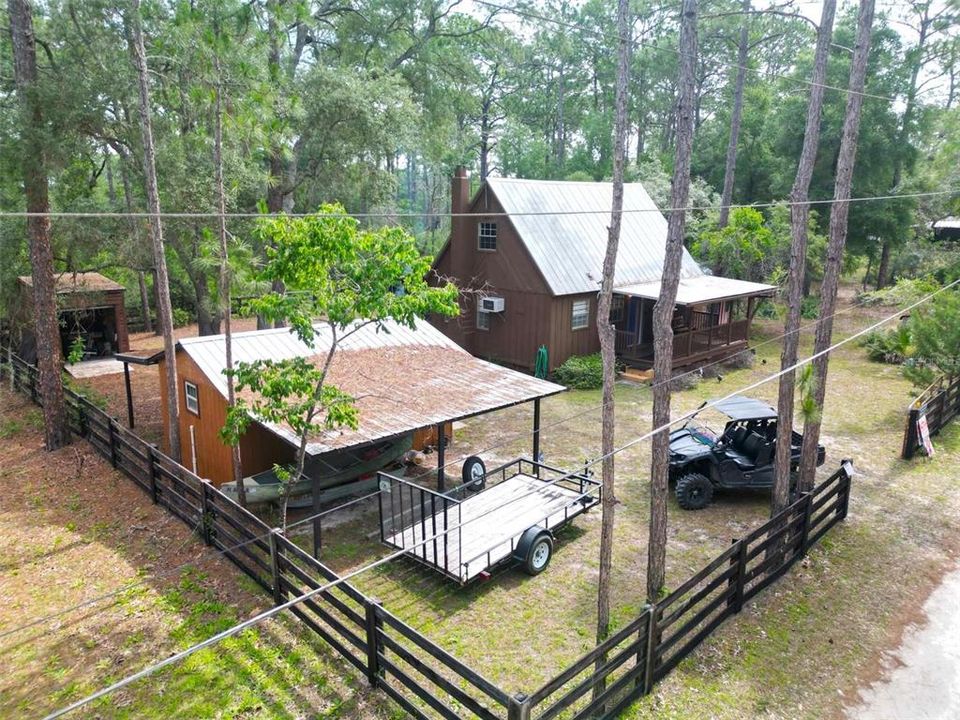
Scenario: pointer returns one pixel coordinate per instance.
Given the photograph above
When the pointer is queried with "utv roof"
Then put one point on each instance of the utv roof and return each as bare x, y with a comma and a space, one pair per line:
739, 407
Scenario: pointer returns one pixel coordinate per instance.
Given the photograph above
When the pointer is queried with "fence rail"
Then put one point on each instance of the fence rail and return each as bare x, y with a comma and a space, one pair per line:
425, 680
939, 404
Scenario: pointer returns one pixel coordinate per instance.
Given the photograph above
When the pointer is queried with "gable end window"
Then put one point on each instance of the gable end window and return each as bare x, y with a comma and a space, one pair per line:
580, 317
191, 396
487, 236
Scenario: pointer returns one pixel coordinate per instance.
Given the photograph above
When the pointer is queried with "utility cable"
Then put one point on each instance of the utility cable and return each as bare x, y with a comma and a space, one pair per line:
436, 214
392, 556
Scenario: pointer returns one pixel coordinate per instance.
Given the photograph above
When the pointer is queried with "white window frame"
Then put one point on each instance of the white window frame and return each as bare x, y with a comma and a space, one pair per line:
580, 314
187, 399
488, 236
485, 324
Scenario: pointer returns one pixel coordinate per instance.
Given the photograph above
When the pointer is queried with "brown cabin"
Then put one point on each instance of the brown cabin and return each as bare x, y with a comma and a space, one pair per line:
89, 306
408, 382
530, 253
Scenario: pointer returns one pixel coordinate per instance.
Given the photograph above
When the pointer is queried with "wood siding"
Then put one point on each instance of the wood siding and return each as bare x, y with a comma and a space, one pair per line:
532, 316
260, 449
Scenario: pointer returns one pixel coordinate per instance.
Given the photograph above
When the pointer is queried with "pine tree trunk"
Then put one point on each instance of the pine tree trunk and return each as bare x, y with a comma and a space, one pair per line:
224, 285
663, 310
839, 213
135, 237
162, 282
799, 220
736, 116
144, 301
56, 428
607, 331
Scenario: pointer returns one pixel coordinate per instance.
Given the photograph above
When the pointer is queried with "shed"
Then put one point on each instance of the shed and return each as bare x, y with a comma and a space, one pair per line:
403, 380
89, 306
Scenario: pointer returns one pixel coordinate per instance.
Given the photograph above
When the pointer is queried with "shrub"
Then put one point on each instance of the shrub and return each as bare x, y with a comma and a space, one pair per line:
181, 317
905, 292
890, 346
810, 308
581, 372
743, 359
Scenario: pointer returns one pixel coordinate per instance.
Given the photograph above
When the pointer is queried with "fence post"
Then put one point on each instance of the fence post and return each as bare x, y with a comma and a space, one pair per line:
844, 495
739, 559
113, 442
652, 642
205, 512
275, 567
519, 707
374, 623
805, 525
152, 463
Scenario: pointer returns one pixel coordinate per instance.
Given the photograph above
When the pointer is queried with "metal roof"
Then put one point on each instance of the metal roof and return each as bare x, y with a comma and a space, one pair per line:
81, 282
947, 223
701, 289
403, 379
740, 407
569, 249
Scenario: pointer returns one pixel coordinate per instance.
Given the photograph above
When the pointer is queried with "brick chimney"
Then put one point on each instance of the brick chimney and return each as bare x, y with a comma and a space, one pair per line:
459, 226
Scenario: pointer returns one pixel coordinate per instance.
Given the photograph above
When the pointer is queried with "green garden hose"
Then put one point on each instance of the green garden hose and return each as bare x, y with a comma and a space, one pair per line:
541, 365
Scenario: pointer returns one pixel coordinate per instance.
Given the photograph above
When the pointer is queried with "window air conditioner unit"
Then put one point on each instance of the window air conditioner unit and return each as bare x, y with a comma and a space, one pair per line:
491, 304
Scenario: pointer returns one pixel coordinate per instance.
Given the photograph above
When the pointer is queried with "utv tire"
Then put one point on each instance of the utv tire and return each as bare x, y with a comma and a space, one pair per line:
694, 491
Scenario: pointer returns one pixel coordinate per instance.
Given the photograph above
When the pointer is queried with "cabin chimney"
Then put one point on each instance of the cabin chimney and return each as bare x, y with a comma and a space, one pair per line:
459, 226
459, 190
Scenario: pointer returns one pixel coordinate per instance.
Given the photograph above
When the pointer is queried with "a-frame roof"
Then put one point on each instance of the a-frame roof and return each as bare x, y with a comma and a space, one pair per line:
563, 225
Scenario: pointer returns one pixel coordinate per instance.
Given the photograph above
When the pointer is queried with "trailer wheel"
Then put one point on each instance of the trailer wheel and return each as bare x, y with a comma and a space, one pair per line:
474, 473
694, 491
539, 555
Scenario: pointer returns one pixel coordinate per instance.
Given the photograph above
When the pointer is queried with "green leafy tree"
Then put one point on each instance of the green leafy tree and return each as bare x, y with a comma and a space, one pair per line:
339, 278
745, 248
935, 335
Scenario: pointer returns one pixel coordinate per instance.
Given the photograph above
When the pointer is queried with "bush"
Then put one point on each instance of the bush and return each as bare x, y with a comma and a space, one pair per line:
181, 317
581, 372
810, 308
743, 359
905, 292
890, 346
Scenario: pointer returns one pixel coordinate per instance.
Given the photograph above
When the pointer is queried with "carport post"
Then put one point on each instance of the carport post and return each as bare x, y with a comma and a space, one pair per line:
536, 435
126, 382
441, 447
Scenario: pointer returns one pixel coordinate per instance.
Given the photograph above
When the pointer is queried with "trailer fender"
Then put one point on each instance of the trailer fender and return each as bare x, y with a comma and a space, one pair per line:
534, 550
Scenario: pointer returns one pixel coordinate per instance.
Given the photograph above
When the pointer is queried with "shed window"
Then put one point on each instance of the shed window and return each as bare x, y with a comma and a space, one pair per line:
487, 236
483, 318
192, 397
580, 318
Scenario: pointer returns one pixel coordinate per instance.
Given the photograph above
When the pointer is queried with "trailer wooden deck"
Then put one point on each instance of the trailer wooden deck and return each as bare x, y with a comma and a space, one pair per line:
485, 527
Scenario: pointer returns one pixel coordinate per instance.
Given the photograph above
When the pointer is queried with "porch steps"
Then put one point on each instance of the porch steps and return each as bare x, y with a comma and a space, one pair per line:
638, 375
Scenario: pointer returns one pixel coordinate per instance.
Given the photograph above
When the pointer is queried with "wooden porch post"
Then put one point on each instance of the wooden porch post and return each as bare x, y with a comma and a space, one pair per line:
441, 447
536, 434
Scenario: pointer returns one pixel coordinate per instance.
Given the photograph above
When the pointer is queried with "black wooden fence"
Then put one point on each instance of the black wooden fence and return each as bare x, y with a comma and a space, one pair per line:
421, 677
939, 403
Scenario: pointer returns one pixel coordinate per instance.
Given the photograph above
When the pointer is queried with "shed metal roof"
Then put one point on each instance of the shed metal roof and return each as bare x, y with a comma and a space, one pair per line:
70, 282
947, 223
569, 248
403, 379
701, 289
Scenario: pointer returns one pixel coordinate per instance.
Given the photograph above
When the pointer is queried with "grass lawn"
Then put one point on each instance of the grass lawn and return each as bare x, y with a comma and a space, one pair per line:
800, 649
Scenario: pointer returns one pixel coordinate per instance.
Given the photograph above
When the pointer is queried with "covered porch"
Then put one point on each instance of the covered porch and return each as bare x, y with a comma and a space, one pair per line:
711, 319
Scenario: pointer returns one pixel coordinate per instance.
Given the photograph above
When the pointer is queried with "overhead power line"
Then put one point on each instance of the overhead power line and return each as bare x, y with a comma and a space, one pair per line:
255, 620
432, 214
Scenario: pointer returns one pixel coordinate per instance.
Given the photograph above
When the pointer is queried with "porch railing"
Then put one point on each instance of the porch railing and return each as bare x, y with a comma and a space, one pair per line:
686, 343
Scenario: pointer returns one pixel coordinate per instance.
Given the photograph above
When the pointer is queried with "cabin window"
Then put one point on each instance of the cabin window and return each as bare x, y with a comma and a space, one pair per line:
580, 317
483, 318
192, 397
487, 236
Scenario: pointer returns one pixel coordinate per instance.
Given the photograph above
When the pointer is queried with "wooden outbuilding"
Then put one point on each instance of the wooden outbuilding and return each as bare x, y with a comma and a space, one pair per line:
89, 306
404, 380
530, 252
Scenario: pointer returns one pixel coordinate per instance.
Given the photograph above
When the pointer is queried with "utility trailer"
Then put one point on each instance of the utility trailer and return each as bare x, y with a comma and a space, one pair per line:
465, 532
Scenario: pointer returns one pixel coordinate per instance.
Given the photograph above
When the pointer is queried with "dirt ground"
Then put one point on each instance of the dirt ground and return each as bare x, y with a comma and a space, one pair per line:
73, 530
799, 650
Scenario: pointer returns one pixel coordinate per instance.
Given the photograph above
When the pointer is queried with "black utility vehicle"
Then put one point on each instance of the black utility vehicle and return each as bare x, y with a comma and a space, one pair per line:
740, 457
